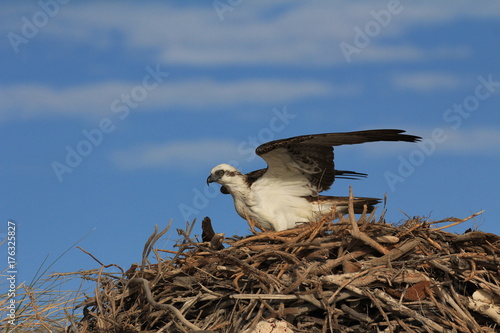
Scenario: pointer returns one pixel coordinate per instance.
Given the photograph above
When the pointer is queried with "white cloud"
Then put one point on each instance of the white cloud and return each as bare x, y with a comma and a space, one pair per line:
28, 101
427, 81
254, 33
277, 33
179, 155
206, 92
410, 53
474, 141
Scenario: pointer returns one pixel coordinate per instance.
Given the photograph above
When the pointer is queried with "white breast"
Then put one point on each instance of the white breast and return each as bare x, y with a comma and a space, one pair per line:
279, 205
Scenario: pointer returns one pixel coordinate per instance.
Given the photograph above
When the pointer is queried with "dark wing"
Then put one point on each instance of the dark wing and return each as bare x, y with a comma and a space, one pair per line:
312, 155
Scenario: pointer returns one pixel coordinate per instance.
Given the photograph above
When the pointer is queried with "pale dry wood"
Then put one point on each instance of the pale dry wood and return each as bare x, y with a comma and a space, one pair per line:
490, 310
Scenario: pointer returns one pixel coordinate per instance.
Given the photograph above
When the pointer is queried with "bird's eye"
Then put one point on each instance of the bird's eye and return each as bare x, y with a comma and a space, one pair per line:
219, 173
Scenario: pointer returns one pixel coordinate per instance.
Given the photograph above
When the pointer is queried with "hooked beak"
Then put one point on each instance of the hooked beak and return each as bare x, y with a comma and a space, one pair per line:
210, 179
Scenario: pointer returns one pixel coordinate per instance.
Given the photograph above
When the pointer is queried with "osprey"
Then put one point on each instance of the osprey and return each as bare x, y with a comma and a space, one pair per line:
286, 193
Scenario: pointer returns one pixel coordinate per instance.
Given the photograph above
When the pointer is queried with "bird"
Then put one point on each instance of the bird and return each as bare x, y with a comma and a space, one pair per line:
286, 193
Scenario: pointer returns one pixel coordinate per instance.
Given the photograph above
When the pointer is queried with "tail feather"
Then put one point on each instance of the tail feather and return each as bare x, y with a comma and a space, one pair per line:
342, 203
345, 174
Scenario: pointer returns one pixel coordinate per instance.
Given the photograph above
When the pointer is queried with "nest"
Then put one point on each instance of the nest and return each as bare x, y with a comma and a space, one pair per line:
335, 275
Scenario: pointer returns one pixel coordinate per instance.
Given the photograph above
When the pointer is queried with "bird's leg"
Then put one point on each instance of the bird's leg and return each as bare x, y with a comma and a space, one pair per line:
253, 224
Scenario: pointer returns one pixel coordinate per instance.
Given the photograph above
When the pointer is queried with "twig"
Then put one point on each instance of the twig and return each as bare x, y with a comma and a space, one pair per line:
394, 305
459, 222
355, 314
356, 233
145, 287
395, 253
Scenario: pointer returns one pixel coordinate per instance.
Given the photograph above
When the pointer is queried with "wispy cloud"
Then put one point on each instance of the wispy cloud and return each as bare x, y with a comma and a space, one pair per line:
278, 33
427, 82
474, 141
411, 53
177, 155
29, 101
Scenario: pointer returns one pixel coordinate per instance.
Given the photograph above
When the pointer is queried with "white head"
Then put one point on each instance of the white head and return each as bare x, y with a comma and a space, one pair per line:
226, 175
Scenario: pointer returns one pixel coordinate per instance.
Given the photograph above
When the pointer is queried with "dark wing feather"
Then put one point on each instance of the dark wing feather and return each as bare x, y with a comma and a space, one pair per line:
312, 155
339, 139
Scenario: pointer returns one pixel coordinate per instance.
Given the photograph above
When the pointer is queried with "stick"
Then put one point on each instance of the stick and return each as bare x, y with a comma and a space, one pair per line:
394, 305
461, 221
394, 253
356, 233
144, 284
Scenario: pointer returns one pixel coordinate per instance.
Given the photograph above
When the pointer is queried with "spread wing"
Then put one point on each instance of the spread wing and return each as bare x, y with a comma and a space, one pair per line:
311, 156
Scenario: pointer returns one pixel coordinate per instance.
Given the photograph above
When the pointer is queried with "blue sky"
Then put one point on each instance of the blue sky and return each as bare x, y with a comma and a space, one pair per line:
114, 113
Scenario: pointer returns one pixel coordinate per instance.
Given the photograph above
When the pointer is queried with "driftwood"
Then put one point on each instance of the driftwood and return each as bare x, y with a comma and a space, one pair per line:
335, 275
